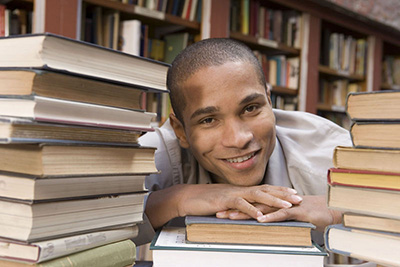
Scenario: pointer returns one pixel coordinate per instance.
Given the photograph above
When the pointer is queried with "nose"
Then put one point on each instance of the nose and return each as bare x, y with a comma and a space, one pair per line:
236, 134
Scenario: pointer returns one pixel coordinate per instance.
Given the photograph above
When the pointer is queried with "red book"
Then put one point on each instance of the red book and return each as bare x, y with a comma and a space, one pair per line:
2, 20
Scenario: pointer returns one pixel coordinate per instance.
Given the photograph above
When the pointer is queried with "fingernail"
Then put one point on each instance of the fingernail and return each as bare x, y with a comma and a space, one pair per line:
233, 214
291, 190
262, 218
259, 214
221, 213
297, 198
286, 204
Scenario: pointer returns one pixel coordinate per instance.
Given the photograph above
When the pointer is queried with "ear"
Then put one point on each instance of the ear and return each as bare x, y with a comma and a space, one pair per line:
268, 88
179, 130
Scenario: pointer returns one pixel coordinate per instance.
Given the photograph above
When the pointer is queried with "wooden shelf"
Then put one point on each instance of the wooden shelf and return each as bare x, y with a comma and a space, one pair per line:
284, 91
324, 70
268, 46
148, 16
331, 108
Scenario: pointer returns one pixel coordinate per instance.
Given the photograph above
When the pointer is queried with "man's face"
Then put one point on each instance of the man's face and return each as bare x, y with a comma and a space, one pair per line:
229, 123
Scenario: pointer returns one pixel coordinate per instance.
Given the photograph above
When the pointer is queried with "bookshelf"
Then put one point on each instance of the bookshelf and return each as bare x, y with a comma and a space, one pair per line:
69, 18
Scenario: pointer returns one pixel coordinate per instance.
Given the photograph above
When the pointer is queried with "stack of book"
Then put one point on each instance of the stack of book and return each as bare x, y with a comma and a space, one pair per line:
209, 241
365, 182
71, 168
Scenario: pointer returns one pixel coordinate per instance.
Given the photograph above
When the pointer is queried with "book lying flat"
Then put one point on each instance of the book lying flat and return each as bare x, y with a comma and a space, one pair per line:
76, 159
376, 135
18, 130
378, 247
31, 188
210, 229
367, 179
385, 160
374, 202
121, 254
50, 51
170, 249
54, 110
54, 248
355, 220
48, 220
25, 81
375, 105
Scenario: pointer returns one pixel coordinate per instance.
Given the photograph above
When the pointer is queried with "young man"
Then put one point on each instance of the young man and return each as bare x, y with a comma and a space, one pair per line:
226, 152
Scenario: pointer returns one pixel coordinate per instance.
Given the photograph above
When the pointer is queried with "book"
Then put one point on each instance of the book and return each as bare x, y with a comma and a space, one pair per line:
354, 220
36, 252
35, 188
376, 134
378, 247
366, 159
76, 159
25, 81
210, 229
15, 130
38, 221
50, 51
367, 201
364, 179
131, 36
118, 254
174, 44
170, 249
375, 105
76, 113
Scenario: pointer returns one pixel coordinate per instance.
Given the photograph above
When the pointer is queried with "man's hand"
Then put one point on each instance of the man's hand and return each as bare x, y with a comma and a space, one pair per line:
312, 209
208, 199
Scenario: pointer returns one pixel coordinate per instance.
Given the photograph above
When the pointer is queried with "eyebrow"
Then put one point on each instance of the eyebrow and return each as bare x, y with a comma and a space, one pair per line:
251, 98
202, 111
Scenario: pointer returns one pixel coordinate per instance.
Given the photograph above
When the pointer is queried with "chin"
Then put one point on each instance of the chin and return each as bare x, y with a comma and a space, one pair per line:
244, 182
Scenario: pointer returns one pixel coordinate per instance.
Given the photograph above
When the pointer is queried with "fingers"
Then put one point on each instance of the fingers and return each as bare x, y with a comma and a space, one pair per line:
279, 215
273, 196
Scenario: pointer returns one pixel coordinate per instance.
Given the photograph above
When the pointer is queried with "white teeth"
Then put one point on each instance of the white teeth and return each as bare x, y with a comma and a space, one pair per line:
241, 159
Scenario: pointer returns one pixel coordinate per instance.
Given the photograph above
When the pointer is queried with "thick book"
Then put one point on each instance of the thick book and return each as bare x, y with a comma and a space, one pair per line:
367, 179
36, 252
374, 106
374, 202
355, 220
210, 229
376, 134
47, 220
50, 51
170, 249
76, 159
35, 188
379, 247
117, 254
20, 130
385, 160
25, 81
46, 109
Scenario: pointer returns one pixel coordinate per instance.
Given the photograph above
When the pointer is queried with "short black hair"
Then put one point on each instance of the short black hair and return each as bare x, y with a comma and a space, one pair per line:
206, 53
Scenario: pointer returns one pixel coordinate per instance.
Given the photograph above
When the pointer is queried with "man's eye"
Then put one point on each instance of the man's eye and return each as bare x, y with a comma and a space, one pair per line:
207, 121
249, 109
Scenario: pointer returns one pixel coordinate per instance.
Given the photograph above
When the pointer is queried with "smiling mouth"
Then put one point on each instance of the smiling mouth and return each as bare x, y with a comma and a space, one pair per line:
241, 159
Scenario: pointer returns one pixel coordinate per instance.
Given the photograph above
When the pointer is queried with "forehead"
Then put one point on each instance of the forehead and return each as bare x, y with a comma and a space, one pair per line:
220, 85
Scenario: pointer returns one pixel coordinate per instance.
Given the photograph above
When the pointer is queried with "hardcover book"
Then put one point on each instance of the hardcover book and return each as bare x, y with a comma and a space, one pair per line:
50, 51
36, 252
378, 247
355, 220
170, 249
76, 159
376, 134
40, 221
210, 229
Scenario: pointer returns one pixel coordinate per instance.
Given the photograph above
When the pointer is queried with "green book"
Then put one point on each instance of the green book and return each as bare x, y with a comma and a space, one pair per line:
174, 44
170, 248
119, 254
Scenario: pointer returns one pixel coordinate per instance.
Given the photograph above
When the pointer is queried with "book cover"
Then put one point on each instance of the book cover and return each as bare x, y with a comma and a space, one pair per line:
364, 179
30, 188
49, 220
80, 57
36, 252
122, 253
378, 247
170, 249
174, 44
